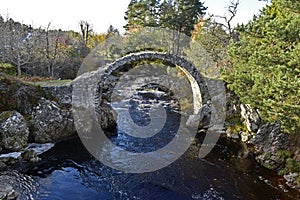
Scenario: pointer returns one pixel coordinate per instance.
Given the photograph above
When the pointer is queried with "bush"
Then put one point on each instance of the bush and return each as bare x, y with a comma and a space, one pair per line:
8, 69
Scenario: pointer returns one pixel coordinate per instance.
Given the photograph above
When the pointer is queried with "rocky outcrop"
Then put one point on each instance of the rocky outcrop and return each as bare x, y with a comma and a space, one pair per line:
51, 123
45, 108
272, 148
107, 118
251, 116
7, 192
61, 93
268, 142
202, 119
267, 139
19, 96
13, 131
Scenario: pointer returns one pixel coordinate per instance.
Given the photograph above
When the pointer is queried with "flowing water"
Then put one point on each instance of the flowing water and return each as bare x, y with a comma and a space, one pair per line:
68, 171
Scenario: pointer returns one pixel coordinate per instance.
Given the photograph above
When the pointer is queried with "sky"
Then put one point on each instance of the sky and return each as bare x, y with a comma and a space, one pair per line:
66, 14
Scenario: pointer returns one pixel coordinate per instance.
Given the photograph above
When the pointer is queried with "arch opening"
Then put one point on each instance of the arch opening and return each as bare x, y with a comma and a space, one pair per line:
196, 80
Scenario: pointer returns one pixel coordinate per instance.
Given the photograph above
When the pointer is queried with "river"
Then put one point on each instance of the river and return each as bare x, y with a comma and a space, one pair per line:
68, 171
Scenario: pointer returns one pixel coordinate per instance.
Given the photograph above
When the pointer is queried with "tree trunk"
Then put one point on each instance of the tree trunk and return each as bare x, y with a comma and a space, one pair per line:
19, 70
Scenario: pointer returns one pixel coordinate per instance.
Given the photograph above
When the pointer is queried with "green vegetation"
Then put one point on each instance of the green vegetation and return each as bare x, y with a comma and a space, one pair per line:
4, 116
289, 164
8, 69
53, 83
18, 95
179, 15
266, 65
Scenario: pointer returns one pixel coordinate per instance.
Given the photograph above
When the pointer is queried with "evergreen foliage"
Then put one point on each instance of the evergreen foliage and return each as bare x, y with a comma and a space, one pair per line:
179, 15
266, 64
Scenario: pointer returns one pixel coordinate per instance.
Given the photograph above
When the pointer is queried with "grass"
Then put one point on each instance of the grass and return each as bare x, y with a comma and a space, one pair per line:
52, 83
41, 81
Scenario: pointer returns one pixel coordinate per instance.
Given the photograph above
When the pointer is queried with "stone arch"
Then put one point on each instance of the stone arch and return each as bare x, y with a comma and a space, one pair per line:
200, 90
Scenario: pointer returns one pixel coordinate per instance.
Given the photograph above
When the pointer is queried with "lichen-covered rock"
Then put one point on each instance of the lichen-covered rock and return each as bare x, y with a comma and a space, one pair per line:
29, 156
7, 192
269, 138
107, 118
251, 116
51, 123
62, 93
291, 180
13, 131
202, 119
268, 142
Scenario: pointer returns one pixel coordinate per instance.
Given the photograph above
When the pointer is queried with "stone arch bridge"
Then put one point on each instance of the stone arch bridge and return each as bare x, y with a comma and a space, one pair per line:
87, 88
197, 81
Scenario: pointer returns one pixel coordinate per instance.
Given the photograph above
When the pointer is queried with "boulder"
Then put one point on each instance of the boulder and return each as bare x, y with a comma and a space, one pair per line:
251, 116
202, 119
29, 155
269, 138
61, 93
13, 131
268, 142
107, 118
51, 123
7, 192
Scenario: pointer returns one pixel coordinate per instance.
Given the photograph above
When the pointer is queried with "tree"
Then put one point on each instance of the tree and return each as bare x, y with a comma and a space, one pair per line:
215, 40
141, 13
266, 65
111, 31
86, 34
18, 43
86, 31
229, 16
51, 49
179, 15
215, 35
185, 15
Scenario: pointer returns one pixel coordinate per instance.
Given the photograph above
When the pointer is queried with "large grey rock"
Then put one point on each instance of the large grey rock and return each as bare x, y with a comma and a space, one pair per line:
7, 192
268, 142
107, 118
251, 116
62, 93
269, 138
202, 119
51, 123
13, 131
29, 155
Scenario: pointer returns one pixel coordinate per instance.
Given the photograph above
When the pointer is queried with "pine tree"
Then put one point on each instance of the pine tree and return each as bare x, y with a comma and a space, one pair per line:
266, 64
179, 15
141, 13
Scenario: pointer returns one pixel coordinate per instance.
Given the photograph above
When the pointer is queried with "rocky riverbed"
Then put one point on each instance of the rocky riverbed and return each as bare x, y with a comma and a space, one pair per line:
41, 113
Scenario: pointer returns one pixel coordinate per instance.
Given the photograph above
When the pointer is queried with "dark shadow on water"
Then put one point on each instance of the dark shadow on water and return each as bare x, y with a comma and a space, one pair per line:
69, 172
